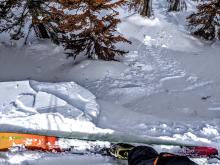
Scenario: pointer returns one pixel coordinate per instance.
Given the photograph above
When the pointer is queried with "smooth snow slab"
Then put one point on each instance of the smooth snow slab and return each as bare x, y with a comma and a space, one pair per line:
46, 62
48, 106
88, 70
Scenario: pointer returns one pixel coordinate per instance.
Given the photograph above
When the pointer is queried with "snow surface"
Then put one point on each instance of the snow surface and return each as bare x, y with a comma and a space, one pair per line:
48, 106
168, 86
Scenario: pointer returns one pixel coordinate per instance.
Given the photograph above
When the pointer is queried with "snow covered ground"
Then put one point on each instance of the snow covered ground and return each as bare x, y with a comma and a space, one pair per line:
168, 86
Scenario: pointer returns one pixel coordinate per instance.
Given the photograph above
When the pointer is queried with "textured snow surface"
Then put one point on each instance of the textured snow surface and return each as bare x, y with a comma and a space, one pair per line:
168, 86
48, 106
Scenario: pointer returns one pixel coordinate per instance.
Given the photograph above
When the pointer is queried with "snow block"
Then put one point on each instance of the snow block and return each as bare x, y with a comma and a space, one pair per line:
73, 94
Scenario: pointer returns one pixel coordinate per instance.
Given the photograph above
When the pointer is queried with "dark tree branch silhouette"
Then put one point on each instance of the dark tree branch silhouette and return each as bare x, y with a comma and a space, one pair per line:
205, 23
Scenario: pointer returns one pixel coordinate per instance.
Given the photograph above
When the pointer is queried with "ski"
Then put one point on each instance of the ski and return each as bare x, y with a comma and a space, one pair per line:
112, 136
56, 144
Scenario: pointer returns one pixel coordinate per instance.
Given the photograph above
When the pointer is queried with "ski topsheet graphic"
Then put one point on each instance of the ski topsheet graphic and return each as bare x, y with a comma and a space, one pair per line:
29, 141
53, 144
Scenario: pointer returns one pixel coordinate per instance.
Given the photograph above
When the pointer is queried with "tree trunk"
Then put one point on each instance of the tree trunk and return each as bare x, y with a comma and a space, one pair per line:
176, 5
34, 7
41, 31
147, 8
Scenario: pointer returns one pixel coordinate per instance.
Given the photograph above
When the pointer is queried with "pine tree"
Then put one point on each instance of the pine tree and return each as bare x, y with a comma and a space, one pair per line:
18, 15
205, 23
144, 7
177, 5
82, 26
91, 29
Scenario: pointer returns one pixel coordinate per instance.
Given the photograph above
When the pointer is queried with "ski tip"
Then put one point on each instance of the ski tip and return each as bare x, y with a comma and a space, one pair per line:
201, 151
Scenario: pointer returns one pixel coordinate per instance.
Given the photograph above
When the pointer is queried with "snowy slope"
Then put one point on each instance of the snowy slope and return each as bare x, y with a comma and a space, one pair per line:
168, 86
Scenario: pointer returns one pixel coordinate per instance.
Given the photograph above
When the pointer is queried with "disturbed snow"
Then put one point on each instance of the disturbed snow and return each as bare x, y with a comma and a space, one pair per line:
167, 86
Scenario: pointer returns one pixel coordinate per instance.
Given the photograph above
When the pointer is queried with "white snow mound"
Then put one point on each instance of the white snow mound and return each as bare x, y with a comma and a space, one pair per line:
48, 106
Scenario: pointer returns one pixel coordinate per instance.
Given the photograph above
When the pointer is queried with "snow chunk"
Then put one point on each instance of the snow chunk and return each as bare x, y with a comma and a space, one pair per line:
20, 106
11, 90
16, 99
210, 131
142, 21
73, 94
19, 158
148, 40
69, 99
190, 136
52, 122
48, 103
49, 107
